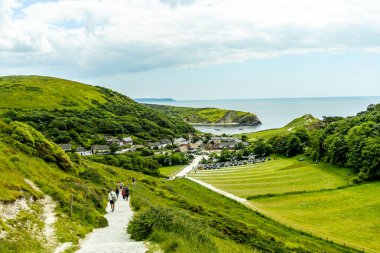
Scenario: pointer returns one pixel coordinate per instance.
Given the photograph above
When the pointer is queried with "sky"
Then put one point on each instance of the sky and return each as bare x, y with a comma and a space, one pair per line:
198, 49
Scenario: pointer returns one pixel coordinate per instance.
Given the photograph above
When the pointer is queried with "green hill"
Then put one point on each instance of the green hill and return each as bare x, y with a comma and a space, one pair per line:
209, 115
38, 92
298, 123
67, 111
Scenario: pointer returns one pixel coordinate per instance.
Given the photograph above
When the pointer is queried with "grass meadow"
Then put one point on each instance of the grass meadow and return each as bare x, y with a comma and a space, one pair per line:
349, 215
275, 177
315, 198
171, 170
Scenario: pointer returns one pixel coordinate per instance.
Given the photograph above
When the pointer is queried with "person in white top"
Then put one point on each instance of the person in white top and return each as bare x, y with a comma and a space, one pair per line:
112, 199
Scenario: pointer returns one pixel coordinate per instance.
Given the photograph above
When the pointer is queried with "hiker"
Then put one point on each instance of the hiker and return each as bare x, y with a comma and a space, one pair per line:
112, 199
134, 180
123, 193
126, 192
121, 185
117, 192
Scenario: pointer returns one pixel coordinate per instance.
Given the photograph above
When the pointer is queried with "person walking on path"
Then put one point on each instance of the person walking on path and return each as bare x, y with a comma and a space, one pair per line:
123, 193
126, 192
112, 199
117, 192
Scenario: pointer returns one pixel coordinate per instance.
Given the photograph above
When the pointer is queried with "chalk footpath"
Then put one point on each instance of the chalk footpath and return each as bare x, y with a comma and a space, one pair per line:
113, 238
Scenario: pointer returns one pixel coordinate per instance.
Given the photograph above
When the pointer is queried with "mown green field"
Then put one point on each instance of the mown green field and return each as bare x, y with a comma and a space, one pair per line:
275, 177
316, 198
349, 215
171, 170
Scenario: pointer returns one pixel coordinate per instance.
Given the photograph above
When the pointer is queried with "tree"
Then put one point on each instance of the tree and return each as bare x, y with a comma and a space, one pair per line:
303, 135
262, 148
371, 158
114, 147
293, 145
336, 149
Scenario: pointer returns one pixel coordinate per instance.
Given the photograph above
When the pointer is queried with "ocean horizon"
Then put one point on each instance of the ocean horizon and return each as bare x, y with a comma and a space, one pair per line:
277, 112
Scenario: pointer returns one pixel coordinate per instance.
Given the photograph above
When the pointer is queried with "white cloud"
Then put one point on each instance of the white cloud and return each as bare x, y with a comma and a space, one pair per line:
96, 37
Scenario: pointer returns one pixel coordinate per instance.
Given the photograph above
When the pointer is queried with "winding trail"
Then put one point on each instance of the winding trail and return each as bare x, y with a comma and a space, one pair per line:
188, 168
228, 195
114, 238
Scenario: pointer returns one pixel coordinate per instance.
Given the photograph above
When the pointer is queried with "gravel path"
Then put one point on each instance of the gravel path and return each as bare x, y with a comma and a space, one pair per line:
226, 194
188, 168
113, 238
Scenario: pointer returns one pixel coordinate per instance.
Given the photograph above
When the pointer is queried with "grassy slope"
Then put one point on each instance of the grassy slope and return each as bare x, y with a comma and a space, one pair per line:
36, 92
208, 222
87, 182
171, 170
207, 115
275, 177
347, 215
289, 128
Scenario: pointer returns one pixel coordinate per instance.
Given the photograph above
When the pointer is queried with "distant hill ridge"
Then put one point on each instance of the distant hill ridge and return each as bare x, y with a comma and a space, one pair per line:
209, 115
145, 100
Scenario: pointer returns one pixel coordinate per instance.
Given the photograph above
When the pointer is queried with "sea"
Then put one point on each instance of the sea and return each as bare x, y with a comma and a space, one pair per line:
277, 112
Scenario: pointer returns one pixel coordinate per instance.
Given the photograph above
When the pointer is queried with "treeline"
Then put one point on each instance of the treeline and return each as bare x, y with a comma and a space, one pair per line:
352, 142
117, 117
142, 161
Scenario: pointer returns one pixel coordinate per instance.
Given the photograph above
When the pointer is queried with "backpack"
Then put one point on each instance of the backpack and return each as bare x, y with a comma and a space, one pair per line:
113, 196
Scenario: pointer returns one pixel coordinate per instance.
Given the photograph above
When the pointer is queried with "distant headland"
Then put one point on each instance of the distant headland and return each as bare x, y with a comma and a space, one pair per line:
149, 100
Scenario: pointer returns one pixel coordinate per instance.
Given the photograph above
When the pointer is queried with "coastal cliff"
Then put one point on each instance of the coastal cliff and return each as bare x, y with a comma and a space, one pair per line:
209, 116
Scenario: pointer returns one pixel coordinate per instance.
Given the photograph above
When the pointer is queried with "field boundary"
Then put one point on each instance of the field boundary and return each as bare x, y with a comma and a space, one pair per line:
283, 222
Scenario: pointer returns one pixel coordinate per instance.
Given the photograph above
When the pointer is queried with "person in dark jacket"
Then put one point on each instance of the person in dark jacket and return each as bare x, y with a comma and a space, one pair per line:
126, 192
117, 192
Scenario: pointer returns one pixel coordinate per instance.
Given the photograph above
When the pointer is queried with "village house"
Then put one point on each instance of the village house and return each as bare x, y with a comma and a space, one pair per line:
122, 151
111, 139
82, 151
136, 147
232, 145
154, 145
180, 141
127, 140
183, 148
165, 142
224, 139
65, 147
100, 149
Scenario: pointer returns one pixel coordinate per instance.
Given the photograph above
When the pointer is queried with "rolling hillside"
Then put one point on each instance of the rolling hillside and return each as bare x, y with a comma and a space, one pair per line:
209, 115
298, 123
35, 173
67, 111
